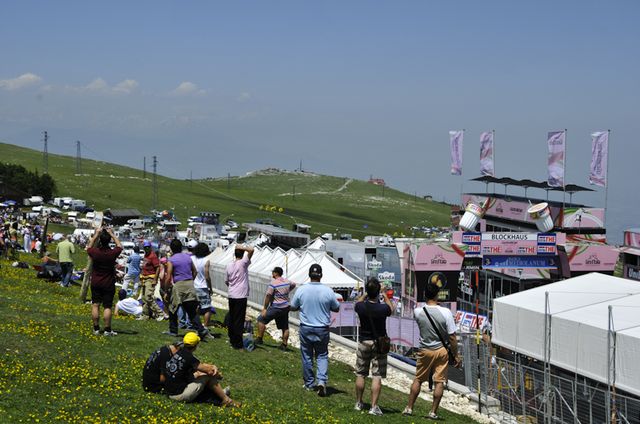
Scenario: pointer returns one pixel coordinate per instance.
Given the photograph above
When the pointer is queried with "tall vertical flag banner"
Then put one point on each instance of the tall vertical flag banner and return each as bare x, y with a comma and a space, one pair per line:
599, 154
555, 164
486, 153
455, 143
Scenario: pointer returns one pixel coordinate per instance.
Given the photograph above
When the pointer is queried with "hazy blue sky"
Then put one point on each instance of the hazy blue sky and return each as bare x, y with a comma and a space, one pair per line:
351, 88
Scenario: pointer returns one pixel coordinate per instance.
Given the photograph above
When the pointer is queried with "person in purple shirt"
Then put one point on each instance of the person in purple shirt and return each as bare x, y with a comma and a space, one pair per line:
181, 271
238, 282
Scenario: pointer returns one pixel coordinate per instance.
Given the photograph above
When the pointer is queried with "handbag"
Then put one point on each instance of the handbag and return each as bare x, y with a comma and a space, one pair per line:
382, 343
452, 358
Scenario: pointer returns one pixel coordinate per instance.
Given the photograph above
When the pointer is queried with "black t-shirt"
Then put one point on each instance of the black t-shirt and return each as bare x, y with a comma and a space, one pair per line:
179, 370
378, 312
153, 368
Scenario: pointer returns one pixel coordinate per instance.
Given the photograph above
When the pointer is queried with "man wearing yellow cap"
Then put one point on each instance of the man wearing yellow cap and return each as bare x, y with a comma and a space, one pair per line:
186, 377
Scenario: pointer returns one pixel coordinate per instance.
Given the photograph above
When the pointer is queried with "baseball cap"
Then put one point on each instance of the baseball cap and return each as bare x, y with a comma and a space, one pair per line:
191, 339
146, 243
192, 243
315, 270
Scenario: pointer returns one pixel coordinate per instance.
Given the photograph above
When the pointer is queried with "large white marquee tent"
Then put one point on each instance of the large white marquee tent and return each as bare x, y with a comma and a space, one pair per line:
580, 337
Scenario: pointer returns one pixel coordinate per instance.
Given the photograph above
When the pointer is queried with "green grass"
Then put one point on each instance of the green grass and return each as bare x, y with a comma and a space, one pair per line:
320, 201
53, 369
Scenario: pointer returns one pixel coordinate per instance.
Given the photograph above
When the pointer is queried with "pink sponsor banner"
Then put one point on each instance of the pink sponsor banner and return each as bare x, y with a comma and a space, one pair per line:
517, 211
632, 238
592, 258
555, 162
455, 144
486, 153
438, 257
599, 154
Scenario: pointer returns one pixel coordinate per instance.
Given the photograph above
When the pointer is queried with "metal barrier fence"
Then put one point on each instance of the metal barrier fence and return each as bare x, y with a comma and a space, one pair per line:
518, 384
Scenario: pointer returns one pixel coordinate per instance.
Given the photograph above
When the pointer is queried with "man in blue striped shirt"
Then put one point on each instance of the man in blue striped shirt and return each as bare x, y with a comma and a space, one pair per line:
276, 307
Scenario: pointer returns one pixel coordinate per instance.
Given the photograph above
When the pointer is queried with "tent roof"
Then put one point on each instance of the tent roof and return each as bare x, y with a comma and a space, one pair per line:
579, 309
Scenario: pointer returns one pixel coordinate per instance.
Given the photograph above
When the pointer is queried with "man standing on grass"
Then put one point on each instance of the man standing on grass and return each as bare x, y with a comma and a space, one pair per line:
133, 271
432, 356
373, 324
64, 250
103, 277
276, 307
315, 302
238, 282
149, 279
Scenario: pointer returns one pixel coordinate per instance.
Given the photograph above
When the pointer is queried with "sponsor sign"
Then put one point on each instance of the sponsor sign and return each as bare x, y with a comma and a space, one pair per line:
446, 280
632, 272
515, 261
436, 257
468, 321
632, 238
387, 276
510, 243
592, 258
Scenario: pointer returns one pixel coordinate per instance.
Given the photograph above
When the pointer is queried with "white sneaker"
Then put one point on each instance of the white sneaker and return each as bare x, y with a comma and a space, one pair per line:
109, 333
160, 318
96, 332
375, 410
359, 406
227, 391
407, 411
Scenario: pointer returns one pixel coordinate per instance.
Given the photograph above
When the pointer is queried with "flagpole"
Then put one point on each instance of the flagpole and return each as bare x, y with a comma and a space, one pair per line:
564, 173
461, 177
606, 186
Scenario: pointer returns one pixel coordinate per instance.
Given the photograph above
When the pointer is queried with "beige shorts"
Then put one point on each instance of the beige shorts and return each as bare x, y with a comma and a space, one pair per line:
367, 356
193, 389
432, 361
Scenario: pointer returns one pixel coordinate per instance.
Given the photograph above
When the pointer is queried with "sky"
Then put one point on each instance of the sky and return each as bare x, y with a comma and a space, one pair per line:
350, 89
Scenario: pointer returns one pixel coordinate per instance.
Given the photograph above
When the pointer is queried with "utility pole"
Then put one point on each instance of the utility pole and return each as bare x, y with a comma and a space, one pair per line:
45, 154
154, 203
144, 168
228, 181
190, 179
294, 192
78, 158
300, 165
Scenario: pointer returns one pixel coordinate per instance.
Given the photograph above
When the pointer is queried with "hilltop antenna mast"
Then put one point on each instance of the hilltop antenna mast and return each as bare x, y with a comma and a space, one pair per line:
78, 158
154, 204
45, 154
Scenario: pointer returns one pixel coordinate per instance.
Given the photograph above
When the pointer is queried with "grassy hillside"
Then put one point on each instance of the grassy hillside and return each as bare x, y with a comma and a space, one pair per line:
53, 369
328, 204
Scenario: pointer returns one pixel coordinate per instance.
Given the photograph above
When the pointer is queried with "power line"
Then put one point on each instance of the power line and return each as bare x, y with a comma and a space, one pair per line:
45, 154
78, 158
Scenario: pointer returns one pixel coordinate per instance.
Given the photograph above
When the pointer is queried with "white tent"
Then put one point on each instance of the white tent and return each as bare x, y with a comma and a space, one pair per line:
333, 274
579, 310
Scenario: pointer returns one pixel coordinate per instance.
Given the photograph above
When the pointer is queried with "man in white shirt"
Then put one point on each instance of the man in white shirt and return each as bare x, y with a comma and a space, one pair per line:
128, 305
432, 357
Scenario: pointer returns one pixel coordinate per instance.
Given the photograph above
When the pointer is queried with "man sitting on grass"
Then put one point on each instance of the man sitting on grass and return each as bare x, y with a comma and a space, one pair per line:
152, 377
128, 305
186, 377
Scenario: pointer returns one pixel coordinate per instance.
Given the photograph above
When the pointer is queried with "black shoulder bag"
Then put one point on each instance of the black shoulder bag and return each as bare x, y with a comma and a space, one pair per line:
452, 358
381, 343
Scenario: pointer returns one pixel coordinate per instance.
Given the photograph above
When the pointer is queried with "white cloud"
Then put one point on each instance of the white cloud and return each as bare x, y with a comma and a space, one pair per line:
243, 97
126, 86
186, 88
24, 80
97, 84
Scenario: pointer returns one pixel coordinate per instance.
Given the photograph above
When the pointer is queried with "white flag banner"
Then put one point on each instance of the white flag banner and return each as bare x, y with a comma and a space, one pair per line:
455, 143
599, 154
486, 154
555, 163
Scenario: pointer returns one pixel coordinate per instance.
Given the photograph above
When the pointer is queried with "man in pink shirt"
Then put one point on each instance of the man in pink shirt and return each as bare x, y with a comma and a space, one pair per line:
238, 282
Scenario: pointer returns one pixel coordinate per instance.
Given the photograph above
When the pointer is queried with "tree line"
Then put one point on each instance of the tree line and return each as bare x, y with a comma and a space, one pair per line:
16, 180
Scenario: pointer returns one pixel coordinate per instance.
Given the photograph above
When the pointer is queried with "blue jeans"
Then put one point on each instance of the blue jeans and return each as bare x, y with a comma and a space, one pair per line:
67, 270
314, 343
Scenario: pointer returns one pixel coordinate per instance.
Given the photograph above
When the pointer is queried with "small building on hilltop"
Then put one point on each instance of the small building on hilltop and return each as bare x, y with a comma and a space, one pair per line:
121, 216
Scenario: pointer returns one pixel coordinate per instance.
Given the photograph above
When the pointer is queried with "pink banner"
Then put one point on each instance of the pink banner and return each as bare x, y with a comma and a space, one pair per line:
438, 257
555, 163
599, 155
455, 144
592, 258
486, 153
